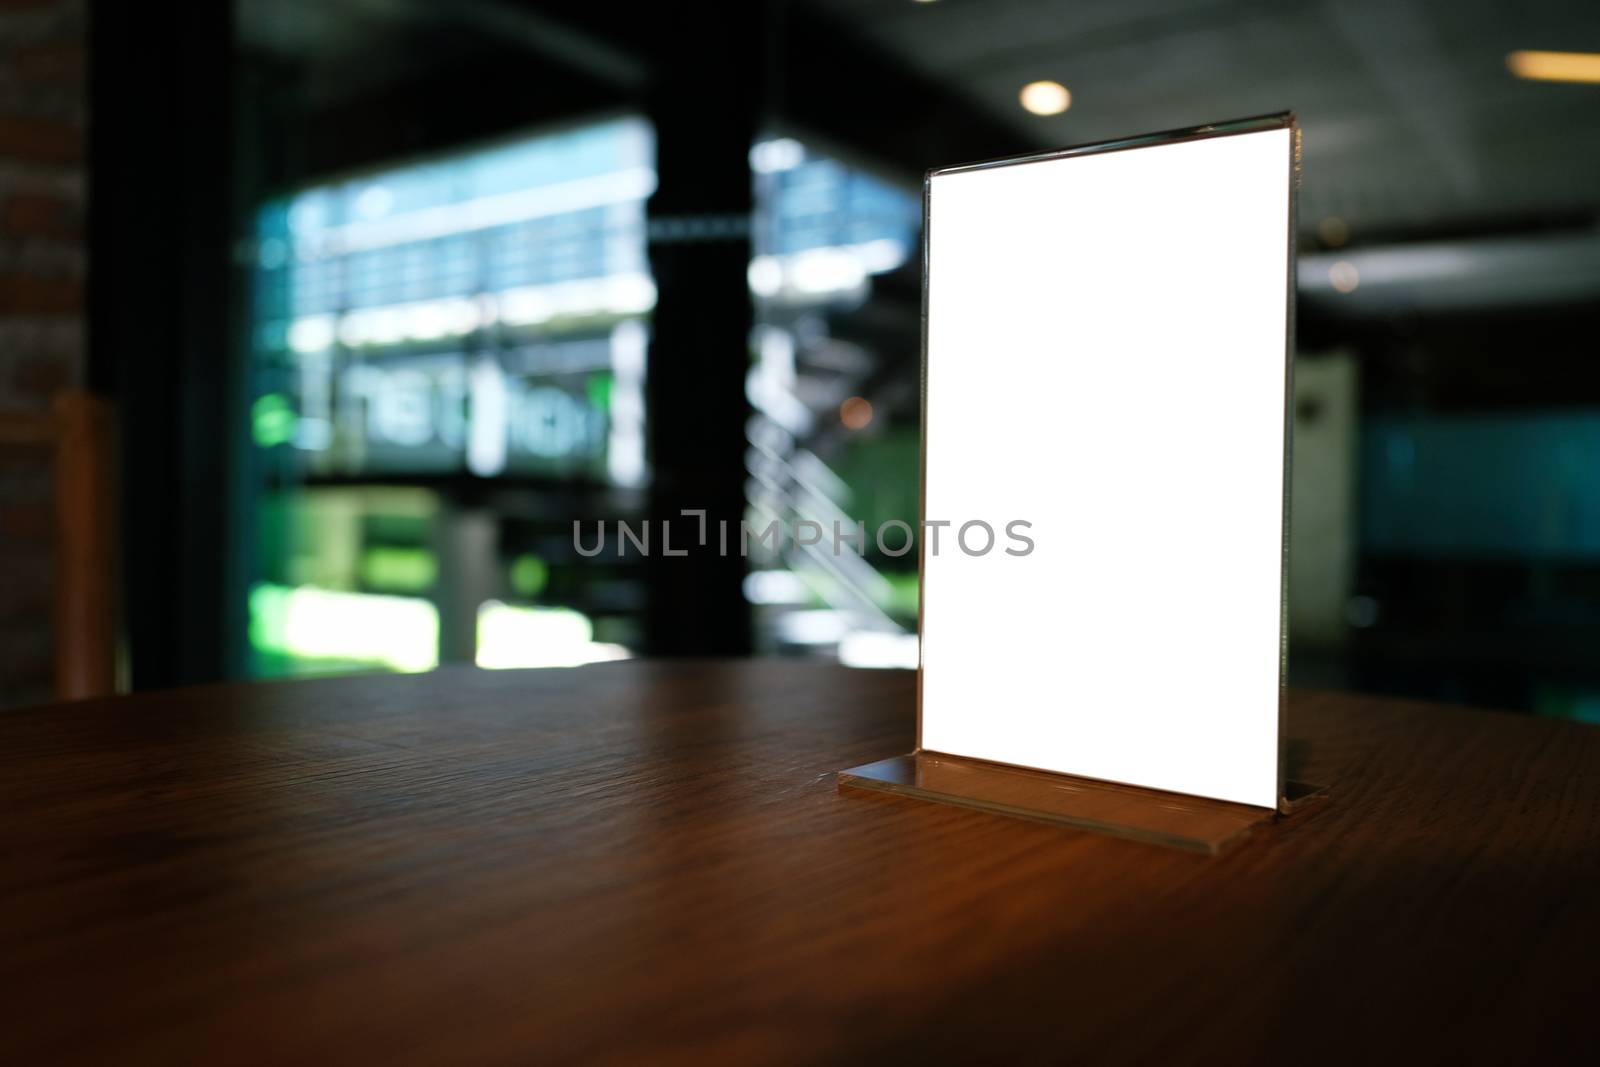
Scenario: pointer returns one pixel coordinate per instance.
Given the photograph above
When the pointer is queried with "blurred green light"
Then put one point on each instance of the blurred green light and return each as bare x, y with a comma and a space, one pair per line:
902, 598
272, 420
599, 389
400, 633
399, 569
529, 575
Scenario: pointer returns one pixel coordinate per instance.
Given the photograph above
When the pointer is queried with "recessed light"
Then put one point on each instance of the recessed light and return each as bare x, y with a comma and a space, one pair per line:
1556, 66
1045, 97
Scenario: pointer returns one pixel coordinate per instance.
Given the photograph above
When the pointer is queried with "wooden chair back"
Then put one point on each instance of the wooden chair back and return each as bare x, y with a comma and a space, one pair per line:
81, 433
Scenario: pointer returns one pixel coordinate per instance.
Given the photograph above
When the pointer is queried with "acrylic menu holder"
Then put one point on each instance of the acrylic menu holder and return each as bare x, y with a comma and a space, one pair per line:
1107, 351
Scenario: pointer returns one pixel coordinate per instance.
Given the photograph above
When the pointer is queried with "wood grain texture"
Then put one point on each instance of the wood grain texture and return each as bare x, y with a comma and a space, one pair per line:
642, 862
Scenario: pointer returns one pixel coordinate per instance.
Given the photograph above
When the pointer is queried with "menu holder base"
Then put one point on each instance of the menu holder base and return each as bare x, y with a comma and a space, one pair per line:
1174, 820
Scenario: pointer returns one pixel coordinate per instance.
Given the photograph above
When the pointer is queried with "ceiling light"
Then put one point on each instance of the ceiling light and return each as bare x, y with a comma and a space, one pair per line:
1045, 98
1555, 66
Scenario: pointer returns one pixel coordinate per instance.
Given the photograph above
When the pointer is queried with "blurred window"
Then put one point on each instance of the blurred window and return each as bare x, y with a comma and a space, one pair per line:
834, 386
417, 330
477, 311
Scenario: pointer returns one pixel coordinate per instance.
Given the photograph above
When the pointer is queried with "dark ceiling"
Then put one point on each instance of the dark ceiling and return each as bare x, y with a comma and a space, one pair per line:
1409, 114
1412, 124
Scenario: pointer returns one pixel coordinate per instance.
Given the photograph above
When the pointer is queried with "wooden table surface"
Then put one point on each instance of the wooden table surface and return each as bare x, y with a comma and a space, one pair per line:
650, 863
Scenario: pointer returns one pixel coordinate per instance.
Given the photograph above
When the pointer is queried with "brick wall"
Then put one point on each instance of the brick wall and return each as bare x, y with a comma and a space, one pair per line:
42, 146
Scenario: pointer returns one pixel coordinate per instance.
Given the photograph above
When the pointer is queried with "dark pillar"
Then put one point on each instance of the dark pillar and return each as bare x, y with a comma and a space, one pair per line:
705, 101
161, 288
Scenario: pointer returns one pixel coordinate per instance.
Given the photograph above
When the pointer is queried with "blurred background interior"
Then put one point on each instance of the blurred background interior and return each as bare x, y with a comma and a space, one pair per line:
389, 293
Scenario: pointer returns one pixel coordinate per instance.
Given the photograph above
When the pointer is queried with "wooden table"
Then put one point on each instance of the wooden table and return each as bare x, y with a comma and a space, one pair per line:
650, 863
